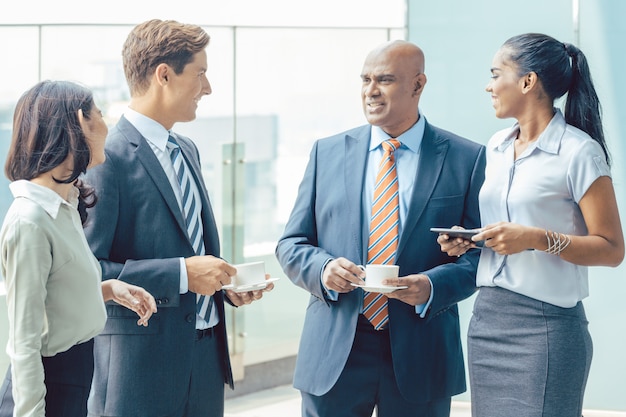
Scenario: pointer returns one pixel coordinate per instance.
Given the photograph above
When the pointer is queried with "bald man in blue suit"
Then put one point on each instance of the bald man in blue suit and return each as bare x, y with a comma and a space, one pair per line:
414, 365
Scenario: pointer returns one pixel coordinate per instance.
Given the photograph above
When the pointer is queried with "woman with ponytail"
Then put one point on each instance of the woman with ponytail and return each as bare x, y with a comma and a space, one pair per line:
549, 211
55, 296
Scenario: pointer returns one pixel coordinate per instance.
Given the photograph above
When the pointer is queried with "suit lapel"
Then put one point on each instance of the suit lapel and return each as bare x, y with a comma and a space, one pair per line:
432, 154
154, 169
354, 163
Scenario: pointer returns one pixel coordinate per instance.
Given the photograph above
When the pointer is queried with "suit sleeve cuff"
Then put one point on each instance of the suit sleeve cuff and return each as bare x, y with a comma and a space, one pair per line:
422, 309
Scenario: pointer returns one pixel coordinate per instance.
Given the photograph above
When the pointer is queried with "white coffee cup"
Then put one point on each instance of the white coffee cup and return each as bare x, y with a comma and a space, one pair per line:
375, 274
249, 274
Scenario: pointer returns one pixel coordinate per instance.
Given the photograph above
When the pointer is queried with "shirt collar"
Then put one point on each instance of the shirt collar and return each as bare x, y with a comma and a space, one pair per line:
49, 200
149, 128
411, 139
549, 141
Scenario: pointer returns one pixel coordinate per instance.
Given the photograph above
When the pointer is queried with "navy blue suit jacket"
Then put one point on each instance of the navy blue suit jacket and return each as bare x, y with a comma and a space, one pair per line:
137, 232
327, 222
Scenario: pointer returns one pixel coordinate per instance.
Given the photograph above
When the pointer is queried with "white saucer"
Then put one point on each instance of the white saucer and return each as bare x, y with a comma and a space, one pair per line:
384, 289
249, 287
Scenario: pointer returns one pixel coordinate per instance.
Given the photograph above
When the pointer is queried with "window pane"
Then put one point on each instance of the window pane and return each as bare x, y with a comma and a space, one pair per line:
293, 86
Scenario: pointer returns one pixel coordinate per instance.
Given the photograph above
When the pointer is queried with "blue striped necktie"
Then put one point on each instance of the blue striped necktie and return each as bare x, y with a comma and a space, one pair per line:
191, 209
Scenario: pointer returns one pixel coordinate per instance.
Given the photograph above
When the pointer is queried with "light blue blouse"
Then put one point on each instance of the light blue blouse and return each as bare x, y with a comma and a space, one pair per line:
541, 188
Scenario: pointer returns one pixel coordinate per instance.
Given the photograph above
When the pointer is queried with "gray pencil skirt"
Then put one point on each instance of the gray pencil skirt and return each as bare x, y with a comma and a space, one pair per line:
527, 358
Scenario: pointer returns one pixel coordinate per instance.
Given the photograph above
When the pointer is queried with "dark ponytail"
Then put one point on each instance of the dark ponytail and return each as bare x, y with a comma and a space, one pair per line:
582, 108
562, 68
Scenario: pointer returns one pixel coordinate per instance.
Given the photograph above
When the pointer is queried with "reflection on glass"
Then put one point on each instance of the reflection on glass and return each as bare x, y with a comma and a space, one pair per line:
275, 91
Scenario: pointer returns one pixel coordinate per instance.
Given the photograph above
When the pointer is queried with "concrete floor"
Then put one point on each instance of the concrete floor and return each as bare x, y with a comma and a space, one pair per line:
284, 401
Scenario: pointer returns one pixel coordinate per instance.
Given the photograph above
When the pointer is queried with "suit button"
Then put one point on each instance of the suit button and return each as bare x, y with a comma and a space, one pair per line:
166, 300
190, 318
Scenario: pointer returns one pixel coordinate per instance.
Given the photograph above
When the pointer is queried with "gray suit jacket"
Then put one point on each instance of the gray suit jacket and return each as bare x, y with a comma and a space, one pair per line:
137, 232
327, 222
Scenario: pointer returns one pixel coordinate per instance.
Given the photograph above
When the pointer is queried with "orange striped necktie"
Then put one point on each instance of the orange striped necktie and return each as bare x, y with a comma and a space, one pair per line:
384, 226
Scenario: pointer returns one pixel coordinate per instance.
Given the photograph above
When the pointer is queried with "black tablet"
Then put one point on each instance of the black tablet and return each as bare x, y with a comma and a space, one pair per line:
462, 233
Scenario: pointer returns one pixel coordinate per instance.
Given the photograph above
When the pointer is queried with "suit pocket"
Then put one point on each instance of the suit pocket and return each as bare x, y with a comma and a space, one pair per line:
447, 201
445, 211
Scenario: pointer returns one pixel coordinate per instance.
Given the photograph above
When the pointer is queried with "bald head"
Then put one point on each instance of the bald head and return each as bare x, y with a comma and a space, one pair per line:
393, 81
407, 52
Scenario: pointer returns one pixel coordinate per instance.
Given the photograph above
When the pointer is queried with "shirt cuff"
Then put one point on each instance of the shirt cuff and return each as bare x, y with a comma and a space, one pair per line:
331, 295
184, 280
421, 309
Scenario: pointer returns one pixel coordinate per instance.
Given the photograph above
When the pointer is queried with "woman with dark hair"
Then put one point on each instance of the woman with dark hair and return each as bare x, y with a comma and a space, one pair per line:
55, 297
549, 211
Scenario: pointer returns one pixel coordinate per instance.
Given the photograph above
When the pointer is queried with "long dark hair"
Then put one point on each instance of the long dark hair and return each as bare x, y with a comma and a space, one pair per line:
46, 131
562, 68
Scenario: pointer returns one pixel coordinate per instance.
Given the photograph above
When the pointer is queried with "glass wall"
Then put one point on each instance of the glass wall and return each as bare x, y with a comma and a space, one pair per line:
459, 48
285, 88
282, 80
275, 91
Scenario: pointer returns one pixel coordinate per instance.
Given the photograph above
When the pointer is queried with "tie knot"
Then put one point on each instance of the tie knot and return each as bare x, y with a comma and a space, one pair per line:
391, 145
171, 142
173, 147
